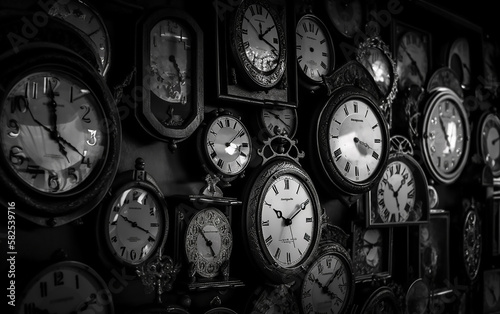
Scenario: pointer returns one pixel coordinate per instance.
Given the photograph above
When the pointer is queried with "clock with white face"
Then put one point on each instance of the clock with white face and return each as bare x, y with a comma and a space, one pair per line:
488, 142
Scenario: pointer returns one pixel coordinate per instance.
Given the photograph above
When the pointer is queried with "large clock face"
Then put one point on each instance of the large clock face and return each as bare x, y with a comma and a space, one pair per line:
356, 140
327, 285
287, 220
396, 193
135, 225
445, 137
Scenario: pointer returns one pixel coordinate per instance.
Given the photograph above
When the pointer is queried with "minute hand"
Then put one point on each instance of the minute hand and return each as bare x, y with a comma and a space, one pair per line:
274, 50
302, 206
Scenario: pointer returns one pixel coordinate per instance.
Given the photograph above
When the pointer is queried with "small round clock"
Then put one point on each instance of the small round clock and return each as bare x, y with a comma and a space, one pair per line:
328, 284
86, 19
209, 241
346, 16
445, 137
402, 193
488, 142
351, 139
459, 61
66, 287
412, 59
277, 121
59, 136
225, 144
281, 221
314, 50
258, 42
471, 243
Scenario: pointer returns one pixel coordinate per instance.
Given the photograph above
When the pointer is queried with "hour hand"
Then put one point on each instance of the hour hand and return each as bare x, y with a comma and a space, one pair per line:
441, 122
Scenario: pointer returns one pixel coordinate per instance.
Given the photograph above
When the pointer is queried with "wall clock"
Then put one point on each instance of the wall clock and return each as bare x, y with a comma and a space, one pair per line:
60, 136
328, 284
315, 52
459, 61
281, 220
487, 141
376, 57
224, 144
87, 20
350, 138
66, 287
134, 220
170, 63
412, 56
258, 41
445, 139
277, 121
371, 252
346, 16
401, 196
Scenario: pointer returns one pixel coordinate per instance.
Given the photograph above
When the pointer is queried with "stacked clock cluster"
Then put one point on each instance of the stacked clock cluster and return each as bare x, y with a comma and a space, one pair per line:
252, 156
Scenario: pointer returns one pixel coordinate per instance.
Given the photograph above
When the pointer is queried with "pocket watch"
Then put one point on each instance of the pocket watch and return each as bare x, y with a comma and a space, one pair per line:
328, 284
445, 137
66, 287
346, 16
412, 58
281, 220
209, 241
258, 40
488, 144
459, 61
277, 121
402, 194
171, 72
134, 220
225, 145
85, 18
350, 138
314, 51
59, 136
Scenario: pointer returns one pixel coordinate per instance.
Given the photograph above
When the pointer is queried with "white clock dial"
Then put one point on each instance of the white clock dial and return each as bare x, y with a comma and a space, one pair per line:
135, 225
356, 140
396, 193
287, 220
228, 145
314, 48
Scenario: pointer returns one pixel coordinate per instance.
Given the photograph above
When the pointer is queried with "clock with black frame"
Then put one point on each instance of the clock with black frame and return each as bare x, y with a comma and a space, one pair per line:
254, 61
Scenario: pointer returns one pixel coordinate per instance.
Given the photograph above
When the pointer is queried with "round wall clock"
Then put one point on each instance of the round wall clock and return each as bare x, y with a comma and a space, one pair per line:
328, 284
66, 287
445, 137
402, 193
459, 61
488, 142
314, 50
171, 57
258, 41
412, 60
346, 16
281, 221
209, 241
471, 243
277, 121
225, 145
59, 136
89, 22
351, 140
134, 220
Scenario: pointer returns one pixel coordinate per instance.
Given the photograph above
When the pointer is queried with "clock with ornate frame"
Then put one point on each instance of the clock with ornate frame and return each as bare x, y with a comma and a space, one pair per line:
60, 135
133, 221
254, 62
170, 71
487, 141
349, 141
401, 196
371, 252
203, 241
470, 239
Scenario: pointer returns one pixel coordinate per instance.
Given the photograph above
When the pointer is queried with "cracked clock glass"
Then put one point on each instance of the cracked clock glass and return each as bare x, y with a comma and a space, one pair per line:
209, 242
135, 225
52, 132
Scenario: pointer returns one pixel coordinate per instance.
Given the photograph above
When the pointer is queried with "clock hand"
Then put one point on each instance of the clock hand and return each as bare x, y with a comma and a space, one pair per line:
92, 299
444, 131
267, 31
413, 63
495, 140
279, 118
330, 280
324, 289
207, 241
135, 225
279, 214
274, 50
53, 107
176, 66
255, 29
240, 132
357, 140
